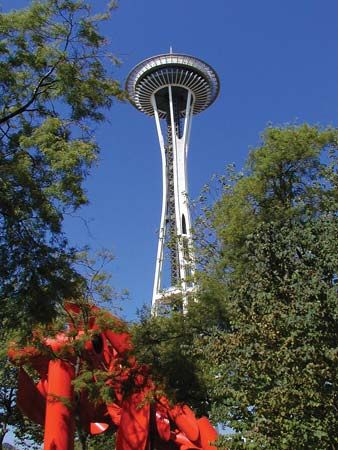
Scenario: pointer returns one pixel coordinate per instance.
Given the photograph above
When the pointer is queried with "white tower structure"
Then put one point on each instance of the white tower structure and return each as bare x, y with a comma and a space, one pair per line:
172, 88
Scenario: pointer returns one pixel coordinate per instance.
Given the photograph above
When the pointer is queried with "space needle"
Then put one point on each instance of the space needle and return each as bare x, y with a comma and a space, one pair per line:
173, 87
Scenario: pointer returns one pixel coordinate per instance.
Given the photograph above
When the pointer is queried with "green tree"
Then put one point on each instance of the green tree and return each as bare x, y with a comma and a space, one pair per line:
7, 396
258, 351
55, 85
98, 442
272, 373
165, 344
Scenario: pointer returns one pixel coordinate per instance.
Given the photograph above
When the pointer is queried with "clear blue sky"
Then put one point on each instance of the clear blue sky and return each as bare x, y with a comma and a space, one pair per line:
277, 61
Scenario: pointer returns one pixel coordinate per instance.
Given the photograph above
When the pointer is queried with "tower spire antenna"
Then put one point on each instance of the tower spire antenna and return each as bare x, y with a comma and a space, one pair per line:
172, 88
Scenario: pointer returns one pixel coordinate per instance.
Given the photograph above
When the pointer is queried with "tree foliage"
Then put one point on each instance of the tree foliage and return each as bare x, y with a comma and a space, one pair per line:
97, 442
55, 86
273, 372
165, 344
262, 338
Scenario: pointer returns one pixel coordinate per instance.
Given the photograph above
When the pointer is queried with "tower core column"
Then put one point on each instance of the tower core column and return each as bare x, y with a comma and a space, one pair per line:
172, 88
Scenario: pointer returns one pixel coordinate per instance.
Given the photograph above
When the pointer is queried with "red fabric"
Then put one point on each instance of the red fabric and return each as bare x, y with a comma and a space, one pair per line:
59, 423
114, 413
208, 434
169, 428
133, 431
29, 399
162, 422
186, 421
98, 427
120, 341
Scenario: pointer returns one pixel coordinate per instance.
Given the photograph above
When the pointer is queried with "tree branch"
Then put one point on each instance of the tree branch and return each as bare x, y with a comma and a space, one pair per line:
34, 96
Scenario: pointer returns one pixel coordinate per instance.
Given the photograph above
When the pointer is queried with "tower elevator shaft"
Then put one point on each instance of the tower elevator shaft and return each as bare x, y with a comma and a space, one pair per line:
171, 236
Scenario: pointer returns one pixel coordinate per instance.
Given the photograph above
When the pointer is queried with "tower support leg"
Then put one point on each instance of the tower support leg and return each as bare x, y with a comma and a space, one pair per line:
175, 228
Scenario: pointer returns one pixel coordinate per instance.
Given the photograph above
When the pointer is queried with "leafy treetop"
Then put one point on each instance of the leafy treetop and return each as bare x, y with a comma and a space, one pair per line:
55, 86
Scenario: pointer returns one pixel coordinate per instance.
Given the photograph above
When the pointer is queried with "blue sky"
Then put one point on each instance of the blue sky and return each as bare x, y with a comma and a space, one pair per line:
277, 62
